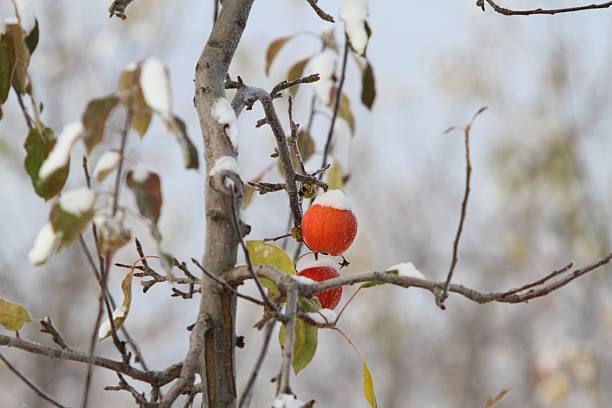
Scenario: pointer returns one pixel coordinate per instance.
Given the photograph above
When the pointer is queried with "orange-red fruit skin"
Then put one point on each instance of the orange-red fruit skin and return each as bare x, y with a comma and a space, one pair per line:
328, 229
329, 298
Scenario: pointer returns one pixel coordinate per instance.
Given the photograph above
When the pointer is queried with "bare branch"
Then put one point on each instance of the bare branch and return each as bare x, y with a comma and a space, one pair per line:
320, 13
48, 328
284, 386
30, 384
117, 8
509, 12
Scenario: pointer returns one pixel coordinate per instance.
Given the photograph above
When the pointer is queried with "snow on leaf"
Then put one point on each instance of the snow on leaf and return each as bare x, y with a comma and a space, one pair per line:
121, 312
354, 13
273, 50
94, 120
44, 244
77, 201
37, 150
60, 155
72, 214
324, 64
155, 85
106, 164
323, 316
407, 269
112, 234
224, 114
146, 187
13, 316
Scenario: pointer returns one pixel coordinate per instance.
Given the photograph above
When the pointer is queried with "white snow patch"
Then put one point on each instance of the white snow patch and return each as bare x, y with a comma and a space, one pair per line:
323, 316
140, 174
105, 328
323, 262
60, 154
155, 85
407, 269
106, 165
334, 199
324, 64
304, 280
354, 14
24, 9
287, 401
77, 201
224, 163
44, 244
131, 66
224, 114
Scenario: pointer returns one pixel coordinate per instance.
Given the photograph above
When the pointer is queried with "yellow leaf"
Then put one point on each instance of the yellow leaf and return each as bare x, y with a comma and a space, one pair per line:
13, 316
264, 253
273, 50
368, 385
334, 177
120, 313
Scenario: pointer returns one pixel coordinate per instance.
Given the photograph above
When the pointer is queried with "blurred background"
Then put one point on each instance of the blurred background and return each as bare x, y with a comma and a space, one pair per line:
541, 192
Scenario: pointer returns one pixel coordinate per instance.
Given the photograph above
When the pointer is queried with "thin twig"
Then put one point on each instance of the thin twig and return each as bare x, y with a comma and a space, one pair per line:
320, 13
30, 384
509, 12
48, 328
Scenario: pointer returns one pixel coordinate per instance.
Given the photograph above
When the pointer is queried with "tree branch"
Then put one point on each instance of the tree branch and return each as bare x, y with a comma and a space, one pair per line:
509, 12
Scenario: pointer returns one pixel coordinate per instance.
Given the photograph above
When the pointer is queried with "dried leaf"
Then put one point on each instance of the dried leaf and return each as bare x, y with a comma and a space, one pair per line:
22, 58
7, 62
120, 313
333, 178
31, 40
346, 113
94, 119
190, 153
273, 50
141, 114
296, 71
146, 187
306, 145
13, 316
368, 86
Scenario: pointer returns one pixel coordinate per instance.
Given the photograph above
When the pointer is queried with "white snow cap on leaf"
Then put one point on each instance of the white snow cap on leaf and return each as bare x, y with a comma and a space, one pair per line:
224, 114
45, 242
323, 64
354, 13
323, 316
407, 269
105, 328
303, 280
60, 154
25, 14
323, 262
155, 85
140, 174
334, 199
77, 201
106, 165
224, 163
287, 401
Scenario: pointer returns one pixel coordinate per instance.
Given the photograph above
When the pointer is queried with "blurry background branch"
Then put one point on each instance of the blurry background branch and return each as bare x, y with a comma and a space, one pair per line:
510, 12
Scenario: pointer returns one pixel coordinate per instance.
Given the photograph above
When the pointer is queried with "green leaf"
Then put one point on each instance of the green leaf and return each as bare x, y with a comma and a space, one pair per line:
31, 40
7, 62
13, 316
295, 72
147, 190
368, 86
306, 144
334, 178
265, 253
304, 344
141, 115
368, 385
273, 50
190, 153
120, 313
69, 225
372, 284
346, 113
309, 305
37, 149
94, 119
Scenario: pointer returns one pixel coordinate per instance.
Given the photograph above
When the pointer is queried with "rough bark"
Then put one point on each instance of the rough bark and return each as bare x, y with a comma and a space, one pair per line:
218, 305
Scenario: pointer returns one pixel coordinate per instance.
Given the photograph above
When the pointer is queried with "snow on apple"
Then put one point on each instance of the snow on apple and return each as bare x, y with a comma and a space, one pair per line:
224, 115
60, 154
77, 201
407, 269
155, 85
323, 316
106, 165
323, 64
334, 199
354, 14
44, 244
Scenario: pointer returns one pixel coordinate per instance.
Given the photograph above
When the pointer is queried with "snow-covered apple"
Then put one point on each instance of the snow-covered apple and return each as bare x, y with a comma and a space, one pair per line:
320, 271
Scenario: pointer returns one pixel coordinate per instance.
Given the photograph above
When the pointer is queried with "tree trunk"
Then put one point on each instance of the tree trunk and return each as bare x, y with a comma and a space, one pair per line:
217, 305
